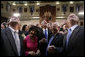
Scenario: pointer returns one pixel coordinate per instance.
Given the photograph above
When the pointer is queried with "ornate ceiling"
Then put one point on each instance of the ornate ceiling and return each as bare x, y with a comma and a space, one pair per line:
21, 2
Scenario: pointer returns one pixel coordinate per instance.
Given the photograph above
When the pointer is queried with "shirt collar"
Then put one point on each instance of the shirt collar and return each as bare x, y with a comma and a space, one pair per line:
45, 29
13, 29
73, 27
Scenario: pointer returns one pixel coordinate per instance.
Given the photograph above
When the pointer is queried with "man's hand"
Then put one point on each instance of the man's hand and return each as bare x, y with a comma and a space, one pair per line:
51, 49
43, 40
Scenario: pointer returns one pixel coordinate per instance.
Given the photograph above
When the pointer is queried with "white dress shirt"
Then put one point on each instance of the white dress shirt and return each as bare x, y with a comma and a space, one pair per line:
73, 27
44, 31
16, 38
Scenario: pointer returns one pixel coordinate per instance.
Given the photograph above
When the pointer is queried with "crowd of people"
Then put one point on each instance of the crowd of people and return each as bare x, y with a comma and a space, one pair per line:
42, 39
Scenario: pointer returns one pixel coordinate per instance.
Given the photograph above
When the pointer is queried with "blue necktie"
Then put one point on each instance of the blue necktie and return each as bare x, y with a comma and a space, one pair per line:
68, 37
49, 43
46, 34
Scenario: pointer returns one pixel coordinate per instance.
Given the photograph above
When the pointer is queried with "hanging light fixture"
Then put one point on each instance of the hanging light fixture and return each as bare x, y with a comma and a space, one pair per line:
71, 2
57, 2
25, 4
16, 14
14, 3
38, 3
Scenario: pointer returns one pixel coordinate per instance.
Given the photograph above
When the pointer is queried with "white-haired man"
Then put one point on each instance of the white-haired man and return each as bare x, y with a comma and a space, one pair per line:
74, 40
11, 43
56, 42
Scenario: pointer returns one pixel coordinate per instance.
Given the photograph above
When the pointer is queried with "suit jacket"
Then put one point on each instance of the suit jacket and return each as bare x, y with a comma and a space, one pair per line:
43, 46
58, 40
49, 33
58, 43
8, 46
76, 43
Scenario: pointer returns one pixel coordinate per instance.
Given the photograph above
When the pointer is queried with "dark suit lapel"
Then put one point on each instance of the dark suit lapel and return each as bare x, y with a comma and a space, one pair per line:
11, 39
64, 40
54, 39
75, 31
21, 39
49, 33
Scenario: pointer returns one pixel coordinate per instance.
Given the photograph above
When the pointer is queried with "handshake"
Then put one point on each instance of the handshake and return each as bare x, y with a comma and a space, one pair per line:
51, 49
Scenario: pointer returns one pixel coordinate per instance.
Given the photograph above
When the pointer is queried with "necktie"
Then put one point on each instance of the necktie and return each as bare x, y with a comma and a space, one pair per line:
68, 37
49, 44
46, 34
17, 42
50, 40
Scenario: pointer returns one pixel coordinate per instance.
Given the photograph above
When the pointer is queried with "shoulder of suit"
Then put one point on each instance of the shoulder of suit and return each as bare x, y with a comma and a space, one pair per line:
6, 29
81, 27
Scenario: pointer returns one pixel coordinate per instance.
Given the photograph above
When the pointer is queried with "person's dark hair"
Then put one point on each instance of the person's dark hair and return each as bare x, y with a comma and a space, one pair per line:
23, 28
33, 28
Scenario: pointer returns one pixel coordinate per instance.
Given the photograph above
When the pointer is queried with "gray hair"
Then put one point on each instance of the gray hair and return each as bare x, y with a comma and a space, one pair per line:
55, 24
73, 16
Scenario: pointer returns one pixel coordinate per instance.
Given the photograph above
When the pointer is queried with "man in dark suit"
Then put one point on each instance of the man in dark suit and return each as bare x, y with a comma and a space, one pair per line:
74, 40
45, 34
56, 41
46, 31
11, 41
